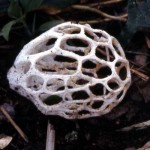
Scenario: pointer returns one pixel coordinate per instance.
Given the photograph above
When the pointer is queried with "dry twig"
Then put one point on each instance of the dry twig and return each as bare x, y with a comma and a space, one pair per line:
147, 41
22, 134
95, 21
82, 7
106, 2
50, 140
137, 126
140, 74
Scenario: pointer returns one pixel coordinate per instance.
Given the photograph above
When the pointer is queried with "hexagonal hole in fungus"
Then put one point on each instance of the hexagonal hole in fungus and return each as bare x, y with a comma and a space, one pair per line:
23, 66
77, 42
72, 63
82, 81
61, 88
100, 36
97, 104
50, 99
83, 112
76, 45
89, 34
70, 87
61, 58
46, 64
97, 89
113, 84
55, 85
43, 46
104, 72
89, 64
104, 53
51, 41
34, 82
57, 64
27, 67
123, 73
76, 82
80, 95
121, 70
71, 84
53, 100
88, 73
118, 64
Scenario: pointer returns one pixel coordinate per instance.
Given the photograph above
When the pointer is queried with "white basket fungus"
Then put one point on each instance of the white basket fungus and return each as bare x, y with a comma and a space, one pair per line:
73, 71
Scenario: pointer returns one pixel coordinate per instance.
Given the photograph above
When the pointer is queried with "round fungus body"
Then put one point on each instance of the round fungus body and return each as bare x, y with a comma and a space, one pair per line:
73, 71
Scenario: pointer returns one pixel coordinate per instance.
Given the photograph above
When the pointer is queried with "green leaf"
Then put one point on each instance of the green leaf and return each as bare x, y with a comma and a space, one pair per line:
29, 5
49, 24
14, 10
7, 28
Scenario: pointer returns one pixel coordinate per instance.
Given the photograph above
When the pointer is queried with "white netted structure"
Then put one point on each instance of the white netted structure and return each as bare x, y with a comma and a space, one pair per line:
72, 71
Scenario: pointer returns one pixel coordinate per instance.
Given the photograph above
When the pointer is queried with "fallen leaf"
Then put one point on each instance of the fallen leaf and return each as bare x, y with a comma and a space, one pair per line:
4, 141
145, 147
9, 108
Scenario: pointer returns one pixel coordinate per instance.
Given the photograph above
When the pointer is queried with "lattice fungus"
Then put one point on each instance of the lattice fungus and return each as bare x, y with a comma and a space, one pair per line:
73, 71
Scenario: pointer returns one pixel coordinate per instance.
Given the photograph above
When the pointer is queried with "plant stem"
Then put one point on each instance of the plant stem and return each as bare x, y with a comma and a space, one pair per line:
50, 140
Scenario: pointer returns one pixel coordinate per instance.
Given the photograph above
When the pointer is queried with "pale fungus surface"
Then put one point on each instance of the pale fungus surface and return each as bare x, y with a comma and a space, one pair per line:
73, 71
